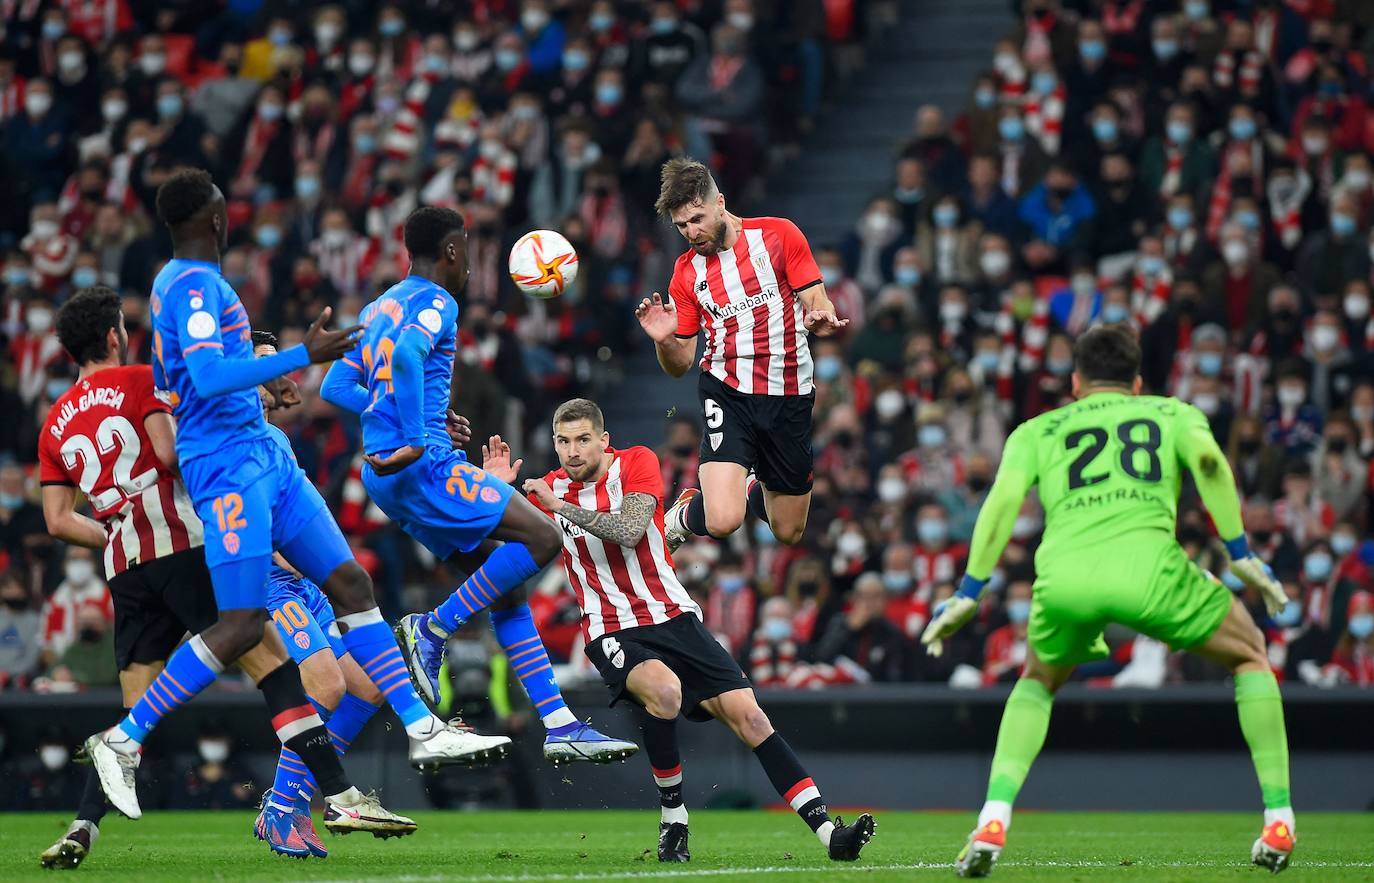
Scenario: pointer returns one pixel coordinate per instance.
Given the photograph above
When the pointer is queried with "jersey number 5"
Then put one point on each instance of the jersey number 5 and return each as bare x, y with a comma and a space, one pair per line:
113, 432
1126, 433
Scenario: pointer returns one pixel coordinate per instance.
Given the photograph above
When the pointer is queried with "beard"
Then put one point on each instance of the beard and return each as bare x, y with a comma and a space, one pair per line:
715, 244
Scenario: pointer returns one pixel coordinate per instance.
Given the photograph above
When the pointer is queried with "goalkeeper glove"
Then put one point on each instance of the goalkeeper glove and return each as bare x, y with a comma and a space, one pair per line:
951, 614
1256, 574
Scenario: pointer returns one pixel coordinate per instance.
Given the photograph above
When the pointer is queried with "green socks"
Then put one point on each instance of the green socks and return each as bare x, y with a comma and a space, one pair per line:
1261, 720
1025, 720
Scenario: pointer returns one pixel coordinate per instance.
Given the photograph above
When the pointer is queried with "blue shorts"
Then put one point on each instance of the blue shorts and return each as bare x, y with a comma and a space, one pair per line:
442, 500
303, 616
252, 498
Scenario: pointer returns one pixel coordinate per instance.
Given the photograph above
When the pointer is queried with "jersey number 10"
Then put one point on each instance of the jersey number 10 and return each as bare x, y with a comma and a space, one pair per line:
1096, 439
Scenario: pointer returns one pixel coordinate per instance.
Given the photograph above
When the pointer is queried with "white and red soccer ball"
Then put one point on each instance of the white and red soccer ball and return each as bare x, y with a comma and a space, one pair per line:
543, 263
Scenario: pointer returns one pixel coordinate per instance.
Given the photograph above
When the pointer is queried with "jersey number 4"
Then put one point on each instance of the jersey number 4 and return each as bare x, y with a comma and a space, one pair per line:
113, 432
1132, 448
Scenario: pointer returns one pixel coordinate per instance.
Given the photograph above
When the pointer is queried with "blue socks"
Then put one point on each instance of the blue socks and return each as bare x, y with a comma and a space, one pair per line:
371, 643
191, 669
519, 639
507, 567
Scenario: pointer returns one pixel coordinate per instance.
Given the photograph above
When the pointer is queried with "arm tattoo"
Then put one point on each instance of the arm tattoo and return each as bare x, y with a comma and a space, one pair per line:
625, 528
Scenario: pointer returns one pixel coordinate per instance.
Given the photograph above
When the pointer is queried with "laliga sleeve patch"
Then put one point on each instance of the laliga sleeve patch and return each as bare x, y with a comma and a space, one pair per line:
200, 325
431, 320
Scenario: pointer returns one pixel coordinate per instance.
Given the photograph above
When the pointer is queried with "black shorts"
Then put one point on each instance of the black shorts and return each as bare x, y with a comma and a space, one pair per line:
769, 434
157, 603
683, 644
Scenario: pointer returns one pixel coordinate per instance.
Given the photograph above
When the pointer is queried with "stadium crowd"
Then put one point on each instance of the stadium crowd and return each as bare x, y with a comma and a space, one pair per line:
1199, 169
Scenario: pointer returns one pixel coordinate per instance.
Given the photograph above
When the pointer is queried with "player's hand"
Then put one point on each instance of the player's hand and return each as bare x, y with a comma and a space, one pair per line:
458, 428
1257, 575
496, 460
656, 317
328, 346
950, 616
823, 323
399, 459
542, 493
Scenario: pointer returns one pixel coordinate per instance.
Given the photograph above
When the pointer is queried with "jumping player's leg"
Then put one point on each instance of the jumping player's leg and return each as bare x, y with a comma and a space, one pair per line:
740, 711
1238, 645
787, 514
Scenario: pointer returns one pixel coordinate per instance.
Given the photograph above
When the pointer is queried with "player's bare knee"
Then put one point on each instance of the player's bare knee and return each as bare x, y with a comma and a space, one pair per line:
663, 695
349, 589
721, 524
789, 534
324, 683
752, 725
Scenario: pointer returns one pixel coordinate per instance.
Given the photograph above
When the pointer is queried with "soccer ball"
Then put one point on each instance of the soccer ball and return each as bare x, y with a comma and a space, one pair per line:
543, 263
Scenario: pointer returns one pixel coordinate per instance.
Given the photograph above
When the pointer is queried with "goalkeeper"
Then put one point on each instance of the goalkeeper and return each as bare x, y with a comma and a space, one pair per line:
1108, 469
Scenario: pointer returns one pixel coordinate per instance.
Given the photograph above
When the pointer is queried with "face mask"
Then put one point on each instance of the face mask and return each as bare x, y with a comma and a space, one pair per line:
979, 483
213, 750
114, 109
891, 490
609, 94
850, 545
878, 224
1357, 179
16, 602
932, 531
1361, 626
85, 277
909, 277
53, 757
1235, 252
1315, 145
1248, 219
576, 60
1113, 313
80, 572
896, 581
763, 534
56, 388
1018, 611
279, 37
1317, 566
307, 187
1104, 130
1342, 544
601, 21
335, 239
1011, 128
268, 236
930, 436
1242, 128
777, 630
1325, 338
1289, 616
946, 215
663, 25
38, 320
270, 113
53, 29
1197, 10
44, 229
388, 105
985, 98
1059, 367
392, 27
1151, 265
953, 312
37, 103
1210, 364
534, 19
1342, 225
365, 143
1044, 82
1164, 49
90, 635
11, 501
153, 64
988, 361
995, 263
1180, 217
327, 33
1025, 527
1083, 285
740, 20
71, 62
508, 59
360, 65
1207, 403
888, 404
828, 368
732, 584
1291, 396
1362, 413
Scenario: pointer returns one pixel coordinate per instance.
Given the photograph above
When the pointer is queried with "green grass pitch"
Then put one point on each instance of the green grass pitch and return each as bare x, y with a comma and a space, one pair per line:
726, 845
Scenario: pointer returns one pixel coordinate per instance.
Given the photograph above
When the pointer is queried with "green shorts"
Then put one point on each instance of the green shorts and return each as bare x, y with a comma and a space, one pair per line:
1142, 582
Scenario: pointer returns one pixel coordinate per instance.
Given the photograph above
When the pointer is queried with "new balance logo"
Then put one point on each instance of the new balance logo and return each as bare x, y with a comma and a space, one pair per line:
702, 286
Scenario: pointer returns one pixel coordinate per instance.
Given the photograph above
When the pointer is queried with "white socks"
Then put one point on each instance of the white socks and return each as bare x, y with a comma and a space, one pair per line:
559, 718
122, 742
824, 832
674, 814
995, 810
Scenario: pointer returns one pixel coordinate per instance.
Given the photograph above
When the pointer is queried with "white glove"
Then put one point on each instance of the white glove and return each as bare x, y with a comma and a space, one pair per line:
1257, 575
950, 616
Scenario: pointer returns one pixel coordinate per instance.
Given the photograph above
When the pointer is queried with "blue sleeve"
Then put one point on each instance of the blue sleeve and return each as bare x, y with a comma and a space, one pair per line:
343, 386
546, 53
408, 383
202, 344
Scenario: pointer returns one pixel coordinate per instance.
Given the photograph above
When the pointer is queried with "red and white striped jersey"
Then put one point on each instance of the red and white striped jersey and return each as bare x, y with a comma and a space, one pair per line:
619, 588
94, 439
746, 301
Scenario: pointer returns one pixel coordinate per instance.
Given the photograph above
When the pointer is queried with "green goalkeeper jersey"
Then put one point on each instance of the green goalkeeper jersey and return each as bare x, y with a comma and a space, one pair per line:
1107, 465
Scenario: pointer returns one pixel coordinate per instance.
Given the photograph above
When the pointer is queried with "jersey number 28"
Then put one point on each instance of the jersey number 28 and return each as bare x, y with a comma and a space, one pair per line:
1132, 448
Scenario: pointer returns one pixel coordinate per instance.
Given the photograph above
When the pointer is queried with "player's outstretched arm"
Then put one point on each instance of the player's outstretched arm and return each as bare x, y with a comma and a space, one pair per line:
659, 320
343, 386
65, 523
820, 318
624, 528
496, 458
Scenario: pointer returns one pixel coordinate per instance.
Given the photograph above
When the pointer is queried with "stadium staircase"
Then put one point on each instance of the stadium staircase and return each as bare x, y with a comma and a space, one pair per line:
931, 55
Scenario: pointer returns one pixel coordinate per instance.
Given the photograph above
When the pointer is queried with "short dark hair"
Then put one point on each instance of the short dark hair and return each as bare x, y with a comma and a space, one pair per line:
427, 228
1107, 354
85, 319
681, 182
579, 409
264, 338
183, 194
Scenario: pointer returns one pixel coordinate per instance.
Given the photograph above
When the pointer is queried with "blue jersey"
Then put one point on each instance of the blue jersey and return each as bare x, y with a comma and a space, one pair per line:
195, 310
415, 319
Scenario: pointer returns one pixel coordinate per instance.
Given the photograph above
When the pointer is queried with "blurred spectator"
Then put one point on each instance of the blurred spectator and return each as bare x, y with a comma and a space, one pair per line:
1005, 652
22, 531
44, 781
723, 93
89, 661
217, 779
864, 636
1352, 662
20, 631
80, 588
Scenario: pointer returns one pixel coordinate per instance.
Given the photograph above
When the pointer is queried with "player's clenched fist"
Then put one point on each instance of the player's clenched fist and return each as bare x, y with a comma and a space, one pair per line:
656, 317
